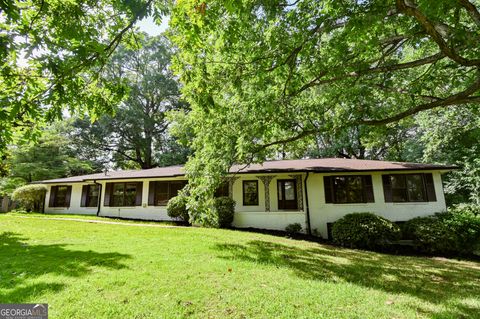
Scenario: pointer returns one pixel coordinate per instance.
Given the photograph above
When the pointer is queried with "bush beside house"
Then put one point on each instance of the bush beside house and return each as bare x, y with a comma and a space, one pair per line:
364, 230
177, 208
32, 197
223, 211
456, 232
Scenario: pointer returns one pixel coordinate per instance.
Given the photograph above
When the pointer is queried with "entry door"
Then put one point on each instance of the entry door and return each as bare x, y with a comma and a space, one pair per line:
287, 194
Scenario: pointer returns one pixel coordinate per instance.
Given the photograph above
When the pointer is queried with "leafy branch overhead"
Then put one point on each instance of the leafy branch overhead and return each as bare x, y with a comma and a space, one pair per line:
52, 54
265, 76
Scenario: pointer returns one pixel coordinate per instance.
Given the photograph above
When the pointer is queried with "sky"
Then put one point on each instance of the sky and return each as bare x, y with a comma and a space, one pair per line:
148, 25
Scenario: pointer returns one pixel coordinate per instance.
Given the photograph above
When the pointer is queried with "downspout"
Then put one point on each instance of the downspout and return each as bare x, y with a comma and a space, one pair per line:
99, 196
307, 208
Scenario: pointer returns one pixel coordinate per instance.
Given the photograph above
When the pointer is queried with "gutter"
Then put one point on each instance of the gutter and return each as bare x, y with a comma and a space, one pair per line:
307, 208
99, 196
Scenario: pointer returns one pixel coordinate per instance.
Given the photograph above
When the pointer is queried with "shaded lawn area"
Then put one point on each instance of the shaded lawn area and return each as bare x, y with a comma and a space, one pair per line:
85, 270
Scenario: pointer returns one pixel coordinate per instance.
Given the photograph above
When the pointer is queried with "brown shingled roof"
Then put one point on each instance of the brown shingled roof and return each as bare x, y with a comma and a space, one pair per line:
323, 165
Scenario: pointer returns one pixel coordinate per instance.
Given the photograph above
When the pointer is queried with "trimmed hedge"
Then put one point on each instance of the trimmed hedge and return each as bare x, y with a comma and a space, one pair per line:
30, 196
177, 208
456, 232
223, 211
364, 230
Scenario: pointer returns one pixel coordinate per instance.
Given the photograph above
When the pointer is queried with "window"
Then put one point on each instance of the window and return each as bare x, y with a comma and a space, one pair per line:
160, 192
60, 196
250, 193
90, 195
123, 194
399, 188
287, 194
348, 189
223, 190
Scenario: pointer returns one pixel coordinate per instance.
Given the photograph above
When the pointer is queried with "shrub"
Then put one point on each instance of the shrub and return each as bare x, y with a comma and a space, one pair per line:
444, 233
223, 211
364, 230
32, 196
177, 208
473, 209
293, 229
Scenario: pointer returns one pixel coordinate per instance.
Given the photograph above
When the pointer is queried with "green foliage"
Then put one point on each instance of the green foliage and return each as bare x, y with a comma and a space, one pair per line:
364, 230
53, 156
52, 53
223, 211
177, 208
444, 233
266, 78
30, 196
469, 209
136, 136
293, 229
9, 184
455, 143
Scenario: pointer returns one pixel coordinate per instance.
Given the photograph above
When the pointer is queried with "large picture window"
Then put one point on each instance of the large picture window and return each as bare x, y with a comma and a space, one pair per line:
123, 194
60, 196
400, 188
250, 193
287, 194
90, 195
160, 192
348, 189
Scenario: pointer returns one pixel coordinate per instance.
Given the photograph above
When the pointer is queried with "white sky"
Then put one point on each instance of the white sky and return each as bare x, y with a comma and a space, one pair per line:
149, 26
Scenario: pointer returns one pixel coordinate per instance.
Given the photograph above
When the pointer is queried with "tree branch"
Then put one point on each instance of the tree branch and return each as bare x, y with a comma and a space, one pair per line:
463, 97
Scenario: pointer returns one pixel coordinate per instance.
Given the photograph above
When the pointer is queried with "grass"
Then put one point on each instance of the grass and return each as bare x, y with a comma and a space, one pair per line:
85, 270
93, 217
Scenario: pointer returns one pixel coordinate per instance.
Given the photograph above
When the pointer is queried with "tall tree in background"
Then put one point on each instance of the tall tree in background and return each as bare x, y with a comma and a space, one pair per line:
137, 135
260, 75
53, 156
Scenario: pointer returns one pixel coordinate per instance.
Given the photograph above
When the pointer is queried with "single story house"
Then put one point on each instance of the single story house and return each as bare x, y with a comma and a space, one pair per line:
272, 195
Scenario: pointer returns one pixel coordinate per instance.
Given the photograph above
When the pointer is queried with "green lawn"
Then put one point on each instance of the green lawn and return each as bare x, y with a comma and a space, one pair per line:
85, 270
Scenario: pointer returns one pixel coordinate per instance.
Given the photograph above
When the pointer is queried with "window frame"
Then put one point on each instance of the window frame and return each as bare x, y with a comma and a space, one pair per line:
295, 190
55, 199
88, 198
244, 193
169, 193
407, 190
333, 188
112, 194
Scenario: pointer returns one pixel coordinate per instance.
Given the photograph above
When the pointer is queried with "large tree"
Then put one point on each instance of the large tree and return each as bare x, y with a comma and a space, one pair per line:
137, 134
263, 75
52, 156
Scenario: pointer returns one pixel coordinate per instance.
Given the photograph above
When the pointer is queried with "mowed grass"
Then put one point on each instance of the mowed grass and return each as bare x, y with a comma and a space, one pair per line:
86, 270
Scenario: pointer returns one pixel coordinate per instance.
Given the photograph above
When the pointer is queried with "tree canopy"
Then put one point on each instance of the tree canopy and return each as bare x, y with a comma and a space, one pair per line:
137, 134
264, 76
52, 53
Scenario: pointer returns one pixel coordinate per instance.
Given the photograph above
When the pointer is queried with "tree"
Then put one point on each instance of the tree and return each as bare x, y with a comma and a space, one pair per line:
53, 156
52, 53
455, 143
137, 134
264, 75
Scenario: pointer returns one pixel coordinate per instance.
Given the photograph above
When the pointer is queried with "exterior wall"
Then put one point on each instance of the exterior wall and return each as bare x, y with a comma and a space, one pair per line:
271, 217
137, 212
322, 213
75, 199
258, 216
